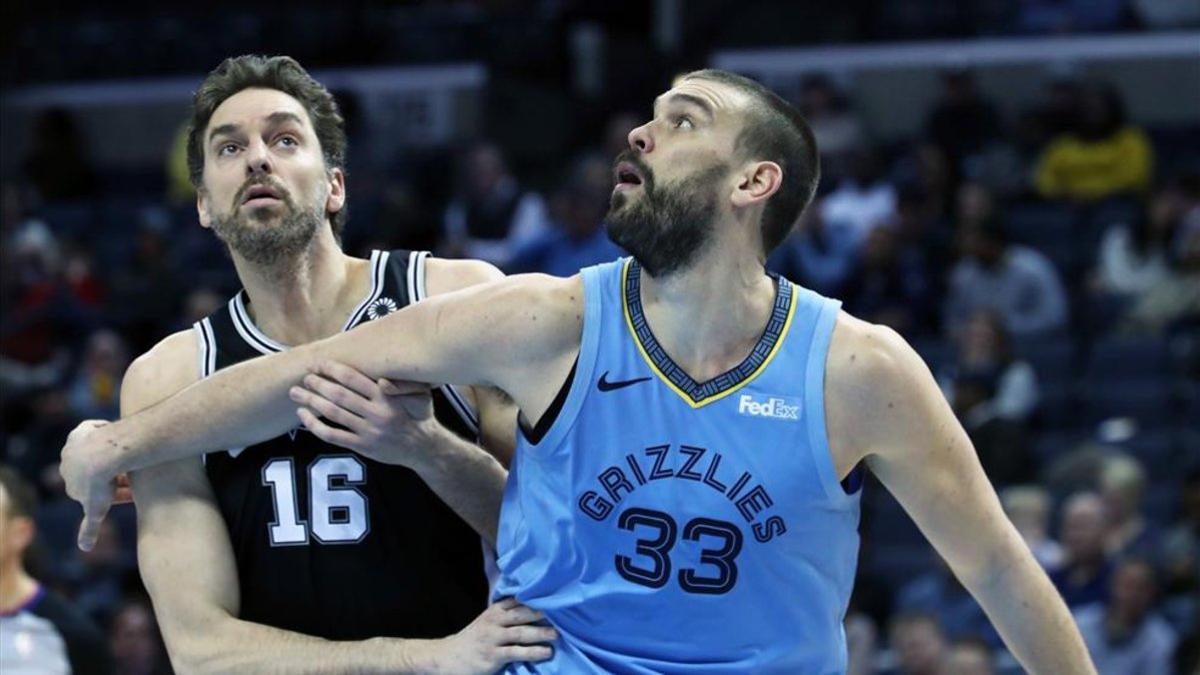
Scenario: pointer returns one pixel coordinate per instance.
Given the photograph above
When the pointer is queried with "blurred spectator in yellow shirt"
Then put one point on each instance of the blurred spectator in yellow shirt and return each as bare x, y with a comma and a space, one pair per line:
1103, 157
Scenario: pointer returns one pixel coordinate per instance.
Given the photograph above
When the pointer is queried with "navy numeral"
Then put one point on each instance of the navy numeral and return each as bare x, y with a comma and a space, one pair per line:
656, 551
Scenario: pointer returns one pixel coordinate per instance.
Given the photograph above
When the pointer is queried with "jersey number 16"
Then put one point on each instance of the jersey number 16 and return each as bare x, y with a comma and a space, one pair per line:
337, 509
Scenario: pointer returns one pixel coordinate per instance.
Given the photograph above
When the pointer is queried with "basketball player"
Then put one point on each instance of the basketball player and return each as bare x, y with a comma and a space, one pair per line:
289, 554
676, 502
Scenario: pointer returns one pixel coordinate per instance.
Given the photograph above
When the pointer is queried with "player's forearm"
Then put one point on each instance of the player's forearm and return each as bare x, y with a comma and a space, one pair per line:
235, 407
1031, 616
244, 647
468, 479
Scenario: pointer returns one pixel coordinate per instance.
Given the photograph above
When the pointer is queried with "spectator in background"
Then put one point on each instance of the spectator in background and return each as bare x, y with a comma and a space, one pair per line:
200, 302
985, 348
969, 657
818, 255
1105, 156
890, 285
1134, 257
491, 217
578, 238
1083, 576
1175, 300
862, 648
863, 200
1181, 546
44, 314
941, 596
1124, 635
1017, 282
918, 642
1028, 507
95, 391
837, 130
136, 644
57, 163
962, 123
40, 632
1122, 484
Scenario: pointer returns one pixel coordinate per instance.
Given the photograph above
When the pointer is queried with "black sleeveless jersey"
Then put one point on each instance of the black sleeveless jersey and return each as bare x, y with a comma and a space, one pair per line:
330, 543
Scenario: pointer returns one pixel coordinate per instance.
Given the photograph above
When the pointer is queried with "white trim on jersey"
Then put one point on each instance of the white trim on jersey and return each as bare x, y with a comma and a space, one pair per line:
378, 269
264, 344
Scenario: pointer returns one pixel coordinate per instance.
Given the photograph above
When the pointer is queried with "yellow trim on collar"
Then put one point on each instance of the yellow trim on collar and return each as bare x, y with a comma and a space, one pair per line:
654, 367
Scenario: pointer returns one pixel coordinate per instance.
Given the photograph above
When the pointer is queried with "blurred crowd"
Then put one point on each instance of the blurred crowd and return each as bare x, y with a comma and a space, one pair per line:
1046, 266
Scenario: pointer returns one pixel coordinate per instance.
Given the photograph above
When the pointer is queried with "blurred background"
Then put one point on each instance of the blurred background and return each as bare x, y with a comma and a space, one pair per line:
1013, 185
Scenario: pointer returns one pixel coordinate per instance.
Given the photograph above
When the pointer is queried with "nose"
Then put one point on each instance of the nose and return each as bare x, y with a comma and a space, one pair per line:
258, 160
640, 138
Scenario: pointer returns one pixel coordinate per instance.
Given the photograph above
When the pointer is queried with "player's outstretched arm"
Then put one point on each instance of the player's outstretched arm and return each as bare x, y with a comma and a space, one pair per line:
518, 334
188, 566
884, 406
393, 423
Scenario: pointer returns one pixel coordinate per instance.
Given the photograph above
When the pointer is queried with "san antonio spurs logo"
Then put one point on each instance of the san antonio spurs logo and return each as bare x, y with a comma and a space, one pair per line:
381, 307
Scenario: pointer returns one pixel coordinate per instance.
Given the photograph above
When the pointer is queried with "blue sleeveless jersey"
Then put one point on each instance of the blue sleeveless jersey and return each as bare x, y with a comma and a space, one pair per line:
665, 525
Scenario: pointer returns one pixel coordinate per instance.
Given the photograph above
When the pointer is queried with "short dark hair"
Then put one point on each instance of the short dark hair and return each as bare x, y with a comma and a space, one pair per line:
776, 131
281, 73
22, 499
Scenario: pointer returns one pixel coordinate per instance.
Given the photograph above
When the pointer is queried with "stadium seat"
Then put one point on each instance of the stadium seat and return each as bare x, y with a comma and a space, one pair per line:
1148, 401
1052, 357
1120, 359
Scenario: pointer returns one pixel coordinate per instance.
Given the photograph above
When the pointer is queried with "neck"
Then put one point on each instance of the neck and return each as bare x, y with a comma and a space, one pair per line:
16, 586
709, 316
305, 298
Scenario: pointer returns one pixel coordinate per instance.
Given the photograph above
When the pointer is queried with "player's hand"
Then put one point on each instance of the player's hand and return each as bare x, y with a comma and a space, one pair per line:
386, 421
86, 477
506, 632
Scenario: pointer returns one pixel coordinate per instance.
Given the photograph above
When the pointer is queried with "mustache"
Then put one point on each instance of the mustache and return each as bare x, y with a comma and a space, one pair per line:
635, 158
264, 182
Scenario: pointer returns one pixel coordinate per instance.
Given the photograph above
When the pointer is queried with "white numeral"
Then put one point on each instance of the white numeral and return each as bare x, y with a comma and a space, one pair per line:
337, 509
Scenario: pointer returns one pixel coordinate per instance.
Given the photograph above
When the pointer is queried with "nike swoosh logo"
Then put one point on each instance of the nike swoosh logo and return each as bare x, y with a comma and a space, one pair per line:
605, 385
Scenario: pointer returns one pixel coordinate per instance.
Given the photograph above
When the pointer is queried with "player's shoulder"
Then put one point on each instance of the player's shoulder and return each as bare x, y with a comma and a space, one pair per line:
166, 368
868, 362
446, 275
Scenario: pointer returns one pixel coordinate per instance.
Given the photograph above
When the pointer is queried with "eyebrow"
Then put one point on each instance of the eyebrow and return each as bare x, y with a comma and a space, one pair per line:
692, 99
274, 119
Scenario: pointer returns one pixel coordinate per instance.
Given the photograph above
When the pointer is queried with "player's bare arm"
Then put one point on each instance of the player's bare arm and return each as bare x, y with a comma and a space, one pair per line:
394, 422
519, 334
190, 573
884, 408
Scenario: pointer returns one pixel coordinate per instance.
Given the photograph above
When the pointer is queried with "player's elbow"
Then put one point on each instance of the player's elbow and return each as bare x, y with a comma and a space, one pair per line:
210, 645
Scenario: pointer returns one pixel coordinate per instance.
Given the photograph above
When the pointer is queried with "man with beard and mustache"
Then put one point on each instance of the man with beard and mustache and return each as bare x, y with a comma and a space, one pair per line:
293, 554
684, 491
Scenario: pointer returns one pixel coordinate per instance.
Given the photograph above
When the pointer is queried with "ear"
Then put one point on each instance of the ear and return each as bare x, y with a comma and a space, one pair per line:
337, 191
202, 208
759, 181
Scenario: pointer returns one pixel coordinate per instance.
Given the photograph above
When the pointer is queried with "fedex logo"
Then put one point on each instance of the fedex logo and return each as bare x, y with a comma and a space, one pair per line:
775, 407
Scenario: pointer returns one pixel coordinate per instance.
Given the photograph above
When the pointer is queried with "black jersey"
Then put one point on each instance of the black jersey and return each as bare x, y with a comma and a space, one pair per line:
328, 542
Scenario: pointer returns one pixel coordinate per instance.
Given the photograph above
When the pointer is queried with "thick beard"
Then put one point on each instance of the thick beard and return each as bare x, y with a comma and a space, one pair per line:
671, 225
266, 244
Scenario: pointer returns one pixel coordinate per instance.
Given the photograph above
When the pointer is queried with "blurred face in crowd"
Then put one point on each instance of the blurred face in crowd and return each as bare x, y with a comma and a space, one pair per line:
1083, 529
266, 189
981, 340
968, 659
919, 646
1133, 589
133, 643
484, 170
16, 533
675, 180
983, 246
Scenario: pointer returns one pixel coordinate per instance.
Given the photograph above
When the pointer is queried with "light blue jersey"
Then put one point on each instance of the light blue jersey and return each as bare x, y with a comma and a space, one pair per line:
665, 525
